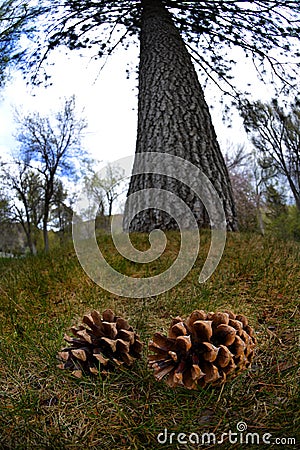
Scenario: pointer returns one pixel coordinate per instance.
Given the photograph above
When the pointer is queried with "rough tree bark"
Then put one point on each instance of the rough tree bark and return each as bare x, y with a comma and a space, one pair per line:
173, 117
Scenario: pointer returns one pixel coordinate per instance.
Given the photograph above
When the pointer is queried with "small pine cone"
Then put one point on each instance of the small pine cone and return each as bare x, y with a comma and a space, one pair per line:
100, 344
205, 348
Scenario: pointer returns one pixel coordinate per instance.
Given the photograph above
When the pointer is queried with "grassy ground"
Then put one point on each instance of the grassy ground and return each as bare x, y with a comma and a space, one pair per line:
43, 407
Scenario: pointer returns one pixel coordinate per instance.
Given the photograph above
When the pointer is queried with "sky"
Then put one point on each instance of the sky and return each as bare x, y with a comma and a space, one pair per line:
107, 99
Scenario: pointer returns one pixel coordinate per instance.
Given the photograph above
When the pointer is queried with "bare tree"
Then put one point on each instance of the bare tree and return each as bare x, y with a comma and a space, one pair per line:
275, 132
251, 176
111, 184
238, 163
94, 190
26, 198
105, 188
236, 156
51, 145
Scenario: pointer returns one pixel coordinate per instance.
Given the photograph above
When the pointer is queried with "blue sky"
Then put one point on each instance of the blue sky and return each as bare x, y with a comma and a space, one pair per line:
108, 101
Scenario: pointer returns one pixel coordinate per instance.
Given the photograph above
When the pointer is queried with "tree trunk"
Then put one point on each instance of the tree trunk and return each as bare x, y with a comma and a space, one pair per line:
26, 225
49, 189
27, 230
173, 118
294, 190
45, 236
260, 220
110, 203
297, 199
45, 227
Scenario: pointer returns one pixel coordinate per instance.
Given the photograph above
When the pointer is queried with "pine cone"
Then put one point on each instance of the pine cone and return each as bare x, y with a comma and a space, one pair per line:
100, 345
205, 348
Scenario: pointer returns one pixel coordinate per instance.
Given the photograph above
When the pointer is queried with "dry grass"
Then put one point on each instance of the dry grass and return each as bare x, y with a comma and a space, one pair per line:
44, 408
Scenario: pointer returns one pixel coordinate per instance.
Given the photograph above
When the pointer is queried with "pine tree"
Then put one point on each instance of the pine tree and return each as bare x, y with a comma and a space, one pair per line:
173, 115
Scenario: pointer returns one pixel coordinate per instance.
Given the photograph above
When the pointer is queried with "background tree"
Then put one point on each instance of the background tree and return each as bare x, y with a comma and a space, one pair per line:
282, 220
51, 145
94, 190
5, 213
238, 164
106, 188
61, 210
173, 115
6, 217
276, 134
112, 184
263, 176
25, 198
275, 202
251, 176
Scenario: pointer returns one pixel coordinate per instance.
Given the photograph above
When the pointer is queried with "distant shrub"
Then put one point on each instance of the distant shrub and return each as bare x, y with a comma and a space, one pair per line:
286, 226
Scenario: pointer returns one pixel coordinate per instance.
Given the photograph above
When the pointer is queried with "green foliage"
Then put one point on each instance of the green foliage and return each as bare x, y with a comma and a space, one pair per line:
275, 203
286, 225
43, 407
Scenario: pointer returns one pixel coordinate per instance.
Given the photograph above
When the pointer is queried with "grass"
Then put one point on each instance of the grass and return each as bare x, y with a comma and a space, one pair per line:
43, 407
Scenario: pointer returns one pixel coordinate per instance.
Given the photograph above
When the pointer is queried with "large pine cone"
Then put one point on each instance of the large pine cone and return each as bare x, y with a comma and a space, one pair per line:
103, 344
205, 348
